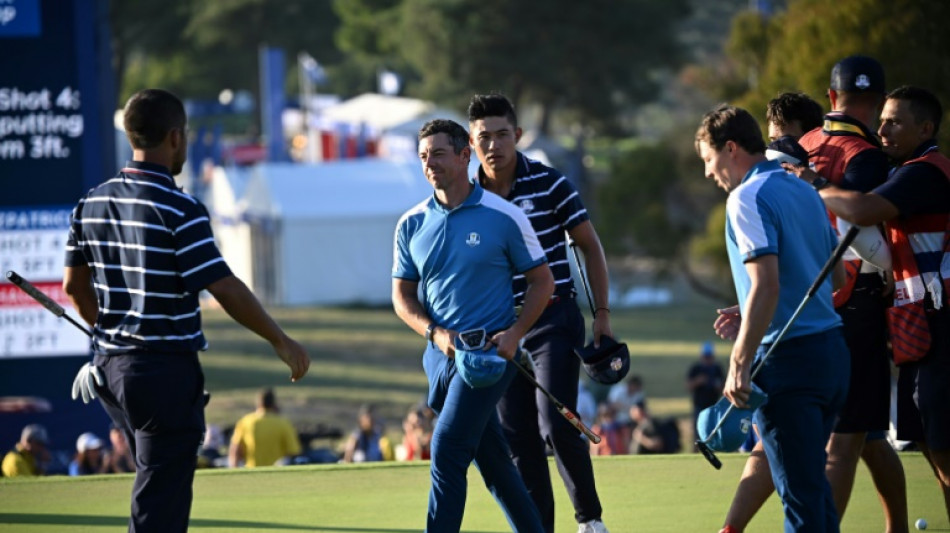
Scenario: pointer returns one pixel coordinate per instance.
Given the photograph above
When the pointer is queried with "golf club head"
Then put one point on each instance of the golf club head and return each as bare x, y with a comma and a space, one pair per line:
708, 454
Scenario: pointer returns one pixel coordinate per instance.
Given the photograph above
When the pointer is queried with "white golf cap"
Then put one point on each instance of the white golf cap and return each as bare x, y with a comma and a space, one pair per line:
88, 441
34, 432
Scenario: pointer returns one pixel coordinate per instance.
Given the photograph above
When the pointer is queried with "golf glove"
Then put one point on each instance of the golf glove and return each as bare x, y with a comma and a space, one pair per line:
83, 383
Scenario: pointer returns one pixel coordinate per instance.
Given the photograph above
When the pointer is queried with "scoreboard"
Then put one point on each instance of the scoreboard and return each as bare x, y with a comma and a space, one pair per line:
57, 140
56, 137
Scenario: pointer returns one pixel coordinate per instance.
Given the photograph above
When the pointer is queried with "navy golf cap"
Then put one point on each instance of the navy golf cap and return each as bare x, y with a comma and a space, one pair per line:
858, 74
735, 429
786, 149
479, 368
607, 364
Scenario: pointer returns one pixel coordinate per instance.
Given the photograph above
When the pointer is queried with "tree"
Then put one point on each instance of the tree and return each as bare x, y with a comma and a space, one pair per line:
908, 37
593, 58
199, 48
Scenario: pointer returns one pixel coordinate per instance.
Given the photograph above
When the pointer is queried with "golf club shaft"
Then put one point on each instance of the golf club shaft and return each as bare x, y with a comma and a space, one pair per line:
561, 408
44, 300
825, 270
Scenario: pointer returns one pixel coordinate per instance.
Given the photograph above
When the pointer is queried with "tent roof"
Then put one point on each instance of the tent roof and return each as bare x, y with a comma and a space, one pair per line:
338, 189
383, 112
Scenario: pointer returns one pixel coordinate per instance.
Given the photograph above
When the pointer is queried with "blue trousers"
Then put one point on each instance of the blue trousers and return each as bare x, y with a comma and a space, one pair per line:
157, 400
532, 423
467, 430
806, 379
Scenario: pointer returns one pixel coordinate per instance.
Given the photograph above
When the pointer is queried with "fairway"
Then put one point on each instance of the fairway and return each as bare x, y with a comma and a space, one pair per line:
673, 493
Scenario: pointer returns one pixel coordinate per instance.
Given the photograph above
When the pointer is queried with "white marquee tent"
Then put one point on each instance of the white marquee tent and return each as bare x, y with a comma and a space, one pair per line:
314, 234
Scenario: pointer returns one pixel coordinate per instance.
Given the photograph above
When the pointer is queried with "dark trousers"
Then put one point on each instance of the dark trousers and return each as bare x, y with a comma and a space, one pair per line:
806, 379
157, 399
531, 422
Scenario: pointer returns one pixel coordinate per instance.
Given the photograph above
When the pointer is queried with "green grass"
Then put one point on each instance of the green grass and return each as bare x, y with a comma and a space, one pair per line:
369, 355
674, 493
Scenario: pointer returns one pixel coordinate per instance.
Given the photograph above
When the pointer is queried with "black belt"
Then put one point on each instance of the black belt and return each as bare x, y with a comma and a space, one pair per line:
553, 300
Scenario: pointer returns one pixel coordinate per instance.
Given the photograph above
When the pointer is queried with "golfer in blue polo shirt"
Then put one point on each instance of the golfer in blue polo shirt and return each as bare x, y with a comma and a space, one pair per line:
455, 255
778, 239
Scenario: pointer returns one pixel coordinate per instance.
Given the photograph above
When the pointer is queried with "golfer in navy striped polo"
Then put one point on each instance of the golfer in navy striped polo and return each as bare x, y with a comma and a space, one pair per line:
139, 251
530, 420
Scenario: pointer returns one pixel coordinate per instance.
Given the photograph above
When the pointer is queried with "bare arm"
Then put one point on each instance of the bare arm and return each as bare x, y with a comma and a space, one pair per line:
858, 208
77, 284
235, 453
540, 288
241, 304
863, 209
757, 314
587, 240
407, 306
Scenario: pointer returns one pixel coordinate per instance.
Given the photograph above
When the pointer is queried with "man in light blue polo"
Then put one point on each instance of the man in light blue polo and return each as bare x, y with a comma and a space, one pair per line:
460, 249
778, 239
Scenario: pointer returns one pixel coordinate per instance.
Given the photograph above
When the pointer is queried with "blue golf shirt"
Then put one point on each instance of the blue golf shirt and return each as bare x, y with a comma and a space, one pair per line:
464, 258
774, 212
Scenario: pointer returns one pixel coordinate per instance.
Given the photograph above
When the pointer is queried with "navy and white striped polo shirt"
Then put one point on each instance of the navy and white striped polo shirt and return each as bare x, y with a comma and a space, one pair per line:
553, 206
150, 248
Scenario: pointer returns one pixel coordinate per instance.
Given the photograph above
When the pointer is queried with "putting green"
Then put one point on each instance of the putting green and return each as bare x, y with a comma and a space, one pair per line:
673, 493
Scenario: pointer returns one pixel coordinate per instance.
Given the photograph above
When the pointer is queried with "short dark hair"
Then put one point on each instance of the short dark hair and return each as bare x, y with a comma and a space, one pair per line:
924, 105
491, 105
789, 107
266, 399
730, 123
458, 136
150, 114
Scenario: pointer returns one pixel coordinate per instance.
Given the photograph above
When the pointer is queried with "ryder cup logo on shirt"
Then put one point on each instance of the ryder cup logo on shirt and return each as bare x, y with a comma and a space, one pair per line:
474, 239
527, 206
862, 82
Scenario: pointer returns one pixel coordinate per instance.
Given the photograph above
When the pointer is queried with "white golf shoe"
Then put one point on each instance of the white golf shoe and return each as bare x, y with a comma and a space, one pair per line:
594, 526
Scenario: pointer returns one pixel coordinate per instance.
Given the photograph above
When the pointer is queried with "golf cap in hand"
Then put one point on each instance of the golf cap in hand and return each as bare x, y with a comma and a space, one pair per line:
786, 149
735, 429
608, 363
479, 368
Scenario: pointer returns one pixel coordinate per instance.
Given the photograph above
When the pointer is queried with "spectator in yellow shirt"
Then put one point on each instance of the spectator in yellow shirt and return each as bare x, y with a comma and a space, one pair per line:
264, 437
30, 454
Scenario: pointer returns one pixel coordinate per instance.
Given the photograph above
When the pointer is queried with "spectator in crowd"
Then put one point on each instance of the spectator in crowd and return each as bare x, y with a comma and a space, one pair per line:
586, 404
30, 456
367, 443
119, 459
704, 380
614, 435
646, 437
623, 396
89, 458
213, 452
264, 437
417, 429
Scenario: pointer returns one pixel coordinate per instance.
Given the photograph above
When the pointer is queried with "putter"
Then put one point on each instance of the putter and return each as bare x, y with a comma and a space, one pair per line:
58, 310
702, 444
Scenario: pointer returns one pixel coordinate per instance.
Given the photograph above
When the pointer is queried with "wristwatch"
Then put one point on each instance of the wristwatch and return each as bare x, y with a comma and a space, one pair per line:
820, 183
430, 330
